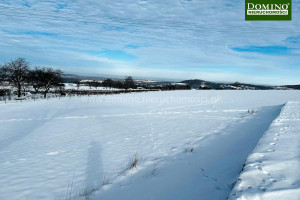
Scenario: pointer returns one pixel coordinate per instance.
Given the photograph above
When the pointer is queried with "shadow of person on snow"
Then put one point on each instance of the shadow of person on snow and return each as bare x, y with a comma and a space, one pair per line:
94, 170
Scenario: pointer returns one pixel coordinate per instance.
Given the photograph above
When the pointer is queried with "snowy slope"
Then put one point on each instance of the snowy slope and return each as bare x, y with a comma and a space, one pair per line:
272, 171
206, 172
48, 146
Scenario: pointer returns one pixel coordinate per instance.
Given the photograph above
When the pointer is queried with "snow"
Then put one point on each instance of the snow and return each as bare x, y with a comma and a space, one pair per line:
207, 172
272, 170
190, 144
73, 86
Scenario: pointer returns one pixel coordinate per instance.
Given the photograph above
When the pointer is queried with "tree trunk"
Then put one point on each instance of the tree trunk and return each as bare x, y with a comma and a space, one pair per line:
45, 94
19, 90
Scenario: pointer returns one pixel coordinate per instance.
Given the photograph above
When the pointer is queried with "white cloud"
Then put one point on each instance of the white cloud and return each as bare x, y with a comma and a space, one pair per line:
170, 33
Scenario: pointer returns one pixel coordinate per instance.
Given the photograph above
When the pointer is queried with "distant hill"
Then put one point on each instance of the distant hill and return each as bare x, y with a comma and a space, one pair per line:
194, 83
294, 87
201, 84
70, 78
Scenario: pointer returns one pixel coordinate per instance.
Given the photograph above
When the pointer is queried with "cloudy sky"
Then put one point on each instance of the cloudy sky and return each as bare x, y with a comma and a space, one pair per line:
173, 39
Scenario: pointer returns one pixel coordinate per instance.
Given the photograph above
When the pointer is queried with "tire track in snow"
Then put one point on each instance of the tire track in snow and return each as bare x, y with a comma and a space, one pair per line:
211, 170
126, 115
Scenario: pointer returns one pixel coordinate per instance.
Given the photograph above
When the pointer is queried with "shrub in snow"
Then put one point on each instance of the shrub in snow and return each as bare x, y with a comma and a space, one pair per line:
106, 180
134, 162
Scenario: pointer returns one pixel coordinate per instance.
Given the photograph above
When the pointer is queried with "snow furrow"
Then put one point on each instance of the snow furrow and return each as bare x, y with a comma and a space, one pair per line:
272, 170
209, 172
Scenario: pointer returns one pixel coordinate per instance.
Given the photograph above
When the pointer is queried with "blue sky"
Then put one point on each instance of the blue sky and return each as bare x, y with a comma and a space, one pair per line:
171, 39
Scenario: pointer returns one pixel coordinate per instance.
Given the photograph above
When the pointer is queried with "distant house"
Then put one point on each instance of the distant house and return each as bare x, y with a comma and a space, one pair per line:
203, 87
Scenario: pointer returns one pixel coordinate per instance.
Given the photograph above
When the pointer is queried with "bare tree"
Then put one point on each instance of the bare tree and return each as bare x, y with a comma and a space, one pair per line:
49, 78
35, 80
96, 84
2, 74
129, 83
61, 88
107, 83
77, 82
118, 84
90, 84
15, 73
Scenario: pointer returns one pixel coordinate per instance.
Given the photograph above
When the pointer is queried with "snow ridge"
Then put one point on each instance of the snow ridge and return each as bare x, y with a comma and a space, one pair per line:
272, 170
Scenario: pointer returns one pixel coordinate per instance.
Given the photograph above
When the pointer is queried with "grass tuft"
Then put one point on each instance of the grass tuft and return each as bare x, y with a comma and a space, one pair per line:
134, 162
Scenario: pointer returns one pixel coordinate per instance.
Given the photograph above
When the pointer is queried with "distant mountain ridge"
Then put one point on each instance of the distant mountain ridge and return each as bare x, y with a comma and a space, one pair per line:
295, 87
68, 77
193, 83
202, 84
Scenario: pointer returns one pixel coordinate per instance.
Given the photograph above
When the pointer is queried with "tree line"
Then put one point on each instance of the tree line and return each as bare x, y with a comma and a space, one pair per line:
20, 75
129, 83
109, 83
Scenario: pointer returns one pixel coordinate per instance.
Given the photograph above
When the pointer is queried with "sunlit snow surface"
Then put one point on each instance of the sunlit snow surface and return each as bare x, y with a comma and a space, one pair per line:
272, 171
50, 146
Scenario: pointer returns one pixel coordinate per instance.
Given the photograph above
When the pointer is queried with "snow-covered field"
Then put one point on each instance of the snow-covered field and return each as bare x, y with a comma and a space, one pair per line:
72, 86
189, 144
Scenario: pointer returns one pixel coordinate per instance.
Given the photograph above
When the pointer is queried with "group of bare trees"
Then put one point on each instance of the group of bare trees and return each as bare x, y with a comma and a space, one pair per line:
126, 84
109, 83
18, 74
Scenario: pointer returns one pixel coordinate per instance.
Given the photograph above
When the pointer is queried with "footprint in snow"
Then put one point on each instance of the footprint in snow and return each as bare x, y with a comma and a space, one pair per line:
265, 172
258, 167
204, 175
218, 188
270, 150
272, 143
262, 155
263, 189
